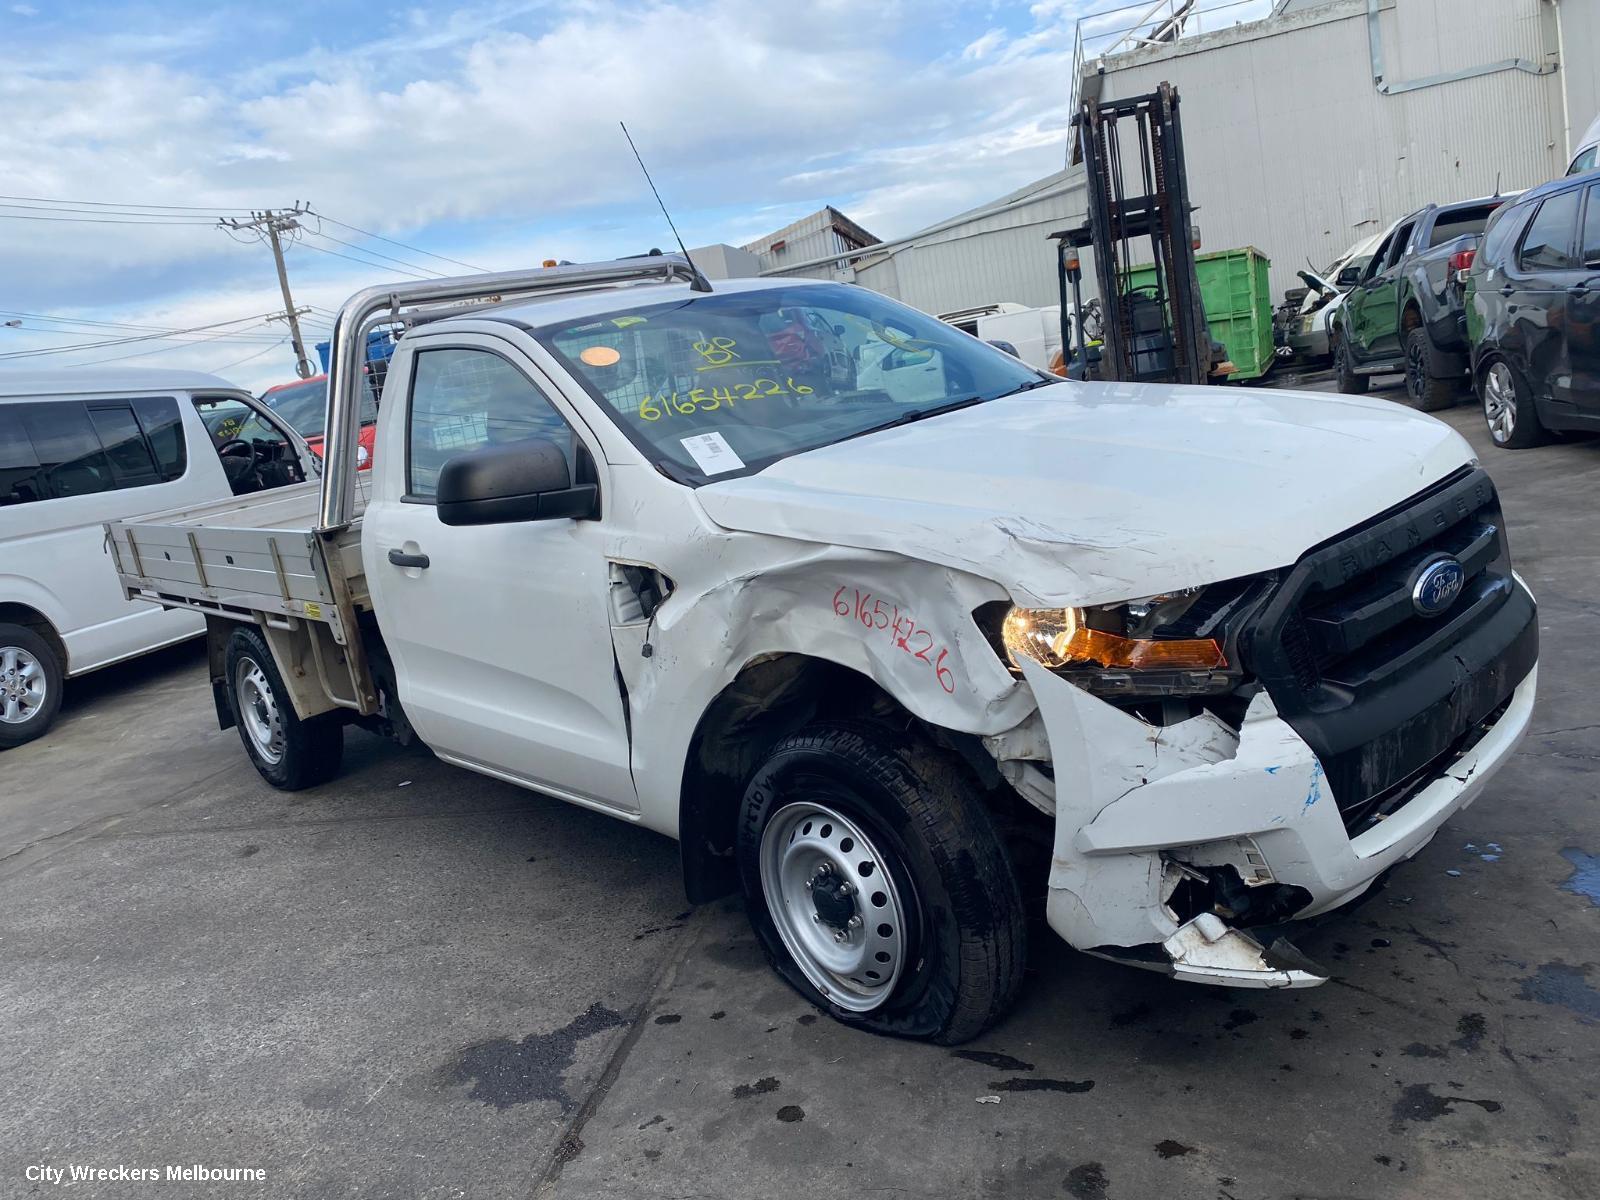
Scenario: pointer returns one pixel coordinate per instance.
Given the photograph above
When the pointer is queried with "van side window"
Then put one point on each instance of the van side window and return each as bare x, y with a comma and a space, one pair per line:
464, 399
53, 450
163, 426
1584, 161
1547, 246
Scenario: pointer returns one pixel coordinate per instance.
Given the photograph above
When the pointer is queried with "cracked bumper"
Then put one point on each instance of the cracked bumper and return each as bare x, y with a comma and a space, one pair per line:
1133, 801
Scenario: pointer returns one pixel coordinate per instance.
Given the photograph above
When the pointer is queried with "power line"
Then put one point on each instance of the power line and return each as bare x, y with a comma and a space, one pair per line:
144, 353
374, 253
146, 337
402, 245
157, 224
363, 262
247, 358
117, 204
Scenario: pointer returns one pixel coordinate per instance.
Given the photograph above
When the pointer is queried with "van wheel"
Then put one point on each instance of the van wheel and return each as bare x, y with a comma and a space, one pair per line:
1508, 408
1344, 369
289, 753
1426, 391
30, 685
877, 885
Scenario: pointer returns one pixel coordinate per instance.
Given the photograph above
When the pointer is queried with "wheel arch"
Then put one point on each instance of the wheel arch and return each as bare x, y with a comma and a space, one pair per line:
771, 696
13, 613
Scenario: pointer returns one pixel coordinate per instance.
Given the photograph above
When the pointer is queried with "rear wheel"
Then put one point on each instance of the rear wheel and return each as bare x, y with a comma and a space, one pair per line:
30, 685
1425, 390
1508, 408
1344, 368
288, 752
877, 885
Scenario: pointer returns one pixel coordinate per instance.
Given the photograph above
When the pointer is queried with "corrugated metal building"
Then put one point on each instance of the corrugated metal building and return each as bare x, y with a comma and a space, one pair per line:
1303, 133
823, 233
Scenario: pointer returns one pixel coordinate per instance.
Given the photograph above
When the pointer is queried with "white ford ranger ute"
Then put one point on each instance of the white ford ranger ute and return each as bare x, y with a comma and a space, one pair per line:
863, 611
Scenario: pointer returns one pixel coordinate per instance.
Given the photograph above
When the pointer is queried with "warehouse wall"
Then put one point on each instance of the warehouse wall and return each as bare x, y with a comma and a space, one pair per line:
1580, 36
1292, 149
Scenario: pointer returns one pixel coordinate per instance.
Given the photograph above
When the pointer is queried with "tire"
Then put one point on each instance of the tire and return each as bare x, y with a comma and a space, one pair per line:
850, 822
31, 680
1424, 388
1344, 372
1508, 408
289, 753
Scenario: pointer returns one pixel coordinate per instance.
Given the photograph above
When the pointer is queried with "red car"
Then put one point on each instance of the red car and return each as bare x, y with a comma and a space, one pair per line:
304, 405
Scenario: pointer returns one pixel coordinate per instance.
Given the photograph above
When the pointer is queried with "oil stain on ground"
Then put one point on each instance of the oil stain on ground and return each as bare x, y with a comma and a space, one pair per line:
1565, 985
989, 1058
790, 1113
505, 1073
1042, 1085
1168, 1148
1087, 1181
759, 1088
1470, 1031
1418, 1103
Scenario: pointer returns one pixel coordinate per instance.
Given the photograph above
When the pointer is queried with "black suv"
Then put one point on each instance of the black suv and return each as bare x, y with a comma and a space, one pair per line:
1533, 313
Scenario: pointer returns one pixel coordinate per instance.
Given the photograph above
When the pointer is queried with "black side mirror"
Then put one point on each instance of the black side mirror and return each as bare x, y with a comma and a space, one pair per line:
521, 481
1349, 277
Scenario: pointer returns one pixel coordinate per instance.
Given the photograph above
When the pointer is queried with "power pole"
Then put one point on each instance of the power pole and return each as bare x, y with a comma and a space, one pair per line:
274, 223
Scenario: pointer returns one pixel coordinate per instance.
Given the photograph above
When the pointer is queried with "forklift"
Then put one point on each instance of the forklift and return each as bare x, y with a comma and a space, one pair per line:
1155, 332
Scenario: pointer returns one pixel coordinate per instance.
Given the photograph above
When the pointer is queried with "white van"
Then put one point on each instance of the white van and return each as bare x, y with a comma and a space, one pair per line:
79, 447
1034, 333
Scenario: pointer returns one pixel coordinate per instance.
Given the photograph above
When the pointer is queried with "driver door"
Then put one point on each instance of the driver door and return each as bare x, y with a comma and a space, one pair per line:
1377, 326
500, 634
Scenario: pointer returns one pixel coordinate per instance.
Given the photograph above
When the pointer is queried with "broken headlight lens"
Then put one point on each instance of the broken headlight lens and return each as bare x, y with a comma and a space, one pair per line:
1136, 648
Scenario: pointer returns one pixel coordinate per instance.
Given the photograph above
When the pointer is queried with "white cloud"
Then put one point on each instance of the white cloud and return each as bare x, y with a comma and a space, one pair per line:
24, 10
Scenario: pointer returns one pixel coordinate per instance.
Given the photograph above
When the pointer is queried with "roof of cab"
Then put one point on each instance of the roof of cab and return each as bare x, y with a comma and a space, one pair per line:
533, 313
80, 381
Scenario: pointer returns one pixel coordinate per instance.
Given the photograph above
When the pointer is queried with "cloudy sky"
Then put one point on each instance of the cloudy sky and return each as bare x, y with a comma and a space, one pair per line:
480, 132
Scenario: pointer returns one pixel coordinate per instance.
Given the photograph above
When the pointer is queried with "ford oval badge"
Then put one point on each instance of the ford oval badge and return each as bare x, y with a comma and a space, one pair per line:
1437, 586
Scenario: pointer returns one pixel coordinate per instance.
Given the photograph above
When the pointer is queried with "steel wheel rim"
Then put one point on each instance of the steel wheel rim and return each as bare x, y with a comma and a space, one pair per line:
23, 686
1500, 402
259, 714
808, 846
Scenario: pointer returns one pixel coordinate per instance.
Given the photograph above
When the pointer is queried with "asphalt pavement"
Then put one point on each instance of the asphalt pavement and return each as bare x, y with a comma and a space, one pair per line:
417, 982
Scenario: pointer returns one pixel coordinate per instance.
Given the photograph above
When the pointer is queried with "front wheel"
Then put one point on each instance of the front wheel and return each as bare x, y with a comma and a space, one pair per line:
30, 685
1344, 368
1508, 408
877, 885
288, 752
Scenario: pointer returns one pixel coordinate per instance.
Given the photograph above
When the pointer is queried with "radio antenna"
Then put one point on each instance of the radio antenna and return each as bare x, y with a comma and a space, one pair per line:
700, 283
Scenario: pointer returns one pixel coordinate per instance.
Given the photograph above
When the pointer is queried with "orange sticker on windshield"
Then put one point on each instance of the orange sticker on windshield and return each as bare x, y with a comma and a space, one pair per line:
601, 356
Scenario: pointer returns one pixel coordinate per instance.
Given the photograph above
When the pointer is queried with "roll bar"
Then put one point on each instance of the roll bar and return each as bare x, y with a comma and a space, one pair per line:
394, 304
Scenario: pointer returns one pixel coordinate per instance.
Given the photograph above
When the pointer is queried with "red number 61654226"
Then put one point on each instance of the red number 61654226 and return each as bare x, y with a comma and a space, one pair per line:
871, 612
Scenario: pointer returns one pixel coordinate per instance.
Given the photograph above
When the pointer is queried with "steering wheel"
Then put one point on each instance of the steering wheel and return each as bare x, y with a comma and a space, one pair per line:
227, 448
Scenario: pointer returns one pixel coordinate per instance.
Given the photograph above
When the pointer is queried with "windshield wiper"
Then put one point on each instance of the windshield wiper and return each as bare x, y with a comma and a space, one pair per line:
917, 414
1027, 386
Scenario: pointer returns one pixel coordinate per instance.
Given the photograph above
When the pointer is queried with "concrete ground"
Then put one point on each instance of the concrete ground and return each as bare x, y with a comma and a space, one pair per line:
418, 982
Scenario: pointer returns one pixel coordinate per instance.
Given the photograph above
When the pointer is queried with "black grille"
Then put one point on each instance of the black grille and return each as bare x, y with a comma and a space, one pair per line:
1380, 692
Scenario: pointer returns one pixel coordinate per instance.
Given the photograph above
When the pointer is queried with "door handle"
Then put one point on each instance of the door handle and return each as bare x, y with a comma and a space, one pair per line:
400, 558
1507, 289
1578, 289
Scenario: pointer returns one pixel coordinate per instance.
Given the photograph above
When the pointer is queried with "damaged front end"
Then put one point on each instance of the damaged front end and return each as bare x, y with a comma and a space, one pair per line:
1338, 726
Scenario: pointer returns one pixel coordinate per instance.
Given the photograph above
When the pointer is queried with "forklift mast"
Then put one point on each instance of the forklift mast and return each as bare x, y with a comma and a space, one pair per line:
1138, 191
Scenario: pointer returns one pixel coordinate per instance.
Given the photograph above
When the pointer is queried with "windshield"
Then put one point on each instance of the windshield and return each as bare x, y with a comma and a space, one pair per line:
730, 382
305, 405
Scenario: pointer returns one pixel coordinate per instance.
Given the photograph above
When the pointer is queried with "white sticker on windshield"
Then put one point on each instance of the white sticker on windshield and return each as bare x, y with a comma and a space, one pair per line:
712, 453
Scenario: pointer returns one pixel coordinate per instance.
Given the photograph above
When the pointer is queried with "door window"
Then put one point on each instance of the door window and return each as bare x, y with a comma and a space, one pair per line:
1397, 247
1591, 228
464, 399
1547, 246
1584, 161
255, 454
1502, 232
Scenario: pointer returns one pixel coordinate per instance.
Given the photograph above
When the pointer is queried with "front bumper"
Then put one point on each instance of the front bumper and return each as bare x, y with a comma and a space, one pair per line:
1137, 808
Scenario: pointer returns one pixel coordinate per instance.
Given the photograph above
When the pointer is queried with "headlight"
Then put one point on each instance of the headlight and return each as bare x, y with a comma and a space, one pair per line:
1158, 645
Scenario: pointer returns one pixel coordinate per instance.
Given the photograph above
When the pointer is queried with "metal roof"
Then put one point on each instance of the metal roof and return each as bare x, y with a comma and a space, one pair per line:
74, 381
